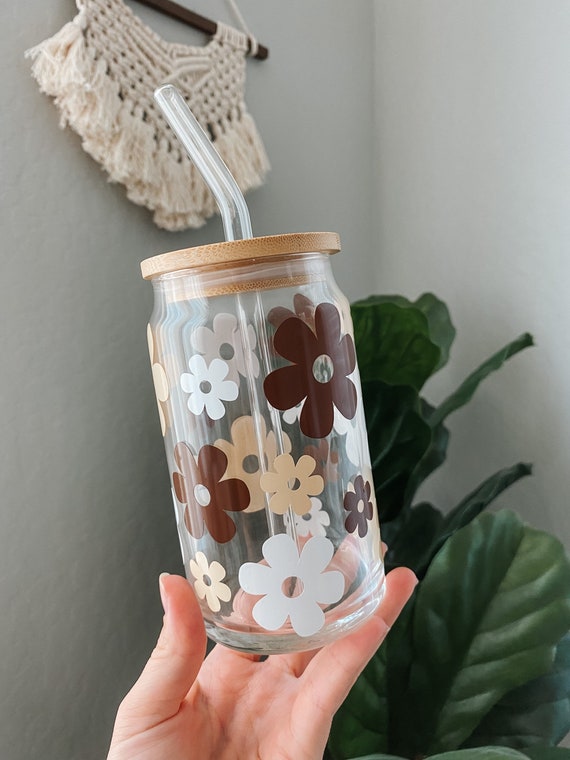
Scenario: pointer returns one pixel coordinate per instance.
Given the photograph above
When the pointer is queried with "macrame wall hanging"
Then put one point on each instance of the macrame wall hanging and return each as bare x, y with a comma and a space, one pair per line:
102, 68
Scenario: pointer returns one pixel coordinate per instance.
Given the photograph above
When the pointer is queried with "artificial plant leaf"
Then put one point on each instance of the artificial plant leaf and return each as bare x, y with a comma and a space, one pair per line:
411, 536
475, 502
480, 753
393, 342
492, 606
379, 756
433, 457
547, 753
378, 698
537, 713
465, 392
361, 724
441, 329
398, 438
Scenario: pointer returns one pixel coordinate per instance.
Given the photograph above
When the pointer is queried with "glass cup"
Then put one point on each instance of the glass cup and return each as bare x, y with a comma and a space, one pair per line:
260, 406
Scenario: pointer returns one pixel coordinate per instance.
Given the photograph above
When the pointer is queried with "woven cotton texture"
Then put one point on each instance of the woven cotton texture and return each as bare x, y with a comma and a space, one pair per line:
102, 69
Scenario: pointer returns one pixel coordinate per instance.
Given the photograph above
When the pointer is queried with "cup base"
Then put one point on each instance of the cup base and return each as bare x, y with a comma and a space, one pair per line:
350, 614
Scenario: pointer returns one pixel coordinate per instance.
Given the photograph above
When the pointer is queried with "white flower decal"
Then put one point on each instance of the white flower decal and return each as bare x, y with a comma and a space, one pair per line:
293, 585
312, 523
353, 442
208, 387
208, 583
223, 341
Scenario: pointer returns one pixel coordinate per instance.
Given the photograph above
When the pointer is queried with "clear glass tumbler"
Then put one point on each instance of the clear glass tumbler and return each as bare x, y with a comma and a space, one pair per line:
260, 405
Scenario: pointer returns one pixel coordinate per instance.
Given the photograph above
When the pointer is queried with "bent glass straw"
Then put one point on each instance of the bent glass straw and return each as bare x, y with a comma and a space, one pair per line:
237, 226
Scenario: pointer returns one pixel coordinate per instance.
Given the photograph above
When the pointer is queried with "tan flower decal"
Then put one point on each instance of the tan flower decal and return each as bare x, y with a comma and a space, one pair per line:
207, 497
208, 583
327, 460
358, 504
292, 484
243, 455
160, 381
321, 360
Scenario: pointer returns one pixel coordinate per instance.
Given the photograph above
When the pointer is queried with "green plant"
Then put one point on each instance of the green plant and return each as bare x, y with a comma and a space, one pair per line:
480, 656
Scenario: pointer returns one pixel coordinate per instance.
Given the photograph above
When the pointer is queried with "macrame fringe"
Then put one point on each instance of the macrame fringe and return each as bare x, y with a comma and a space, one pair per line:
115, 134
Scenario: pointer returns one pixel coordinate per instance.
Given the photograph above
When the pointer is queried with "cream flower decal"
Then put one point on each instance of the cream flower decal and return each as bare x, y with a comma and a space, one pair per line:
160, 381
208, 583
243, 455
293, 585
224, 341
292, 484
312, 523
208, 387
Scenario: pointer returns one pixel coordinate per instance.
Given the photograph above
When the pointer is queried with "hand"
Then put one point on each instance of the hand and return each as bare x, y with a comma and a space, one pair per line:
231, 706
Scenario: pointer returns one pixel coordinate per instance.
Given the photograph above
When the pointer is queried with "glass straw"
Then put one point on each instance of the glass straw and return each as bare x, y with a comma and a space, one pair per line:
237, 226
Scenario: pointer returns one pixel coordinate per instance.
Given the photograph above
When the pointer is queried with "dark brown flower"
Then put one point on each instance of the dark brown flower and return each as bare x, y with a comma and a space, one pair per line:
359, 507
303, 307
322, 358
199, 485
326, 459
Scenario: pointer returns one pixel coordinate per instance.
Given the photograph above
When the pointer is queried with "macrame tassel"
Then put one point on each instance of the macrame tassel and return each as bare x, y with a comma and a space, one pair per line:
119, 129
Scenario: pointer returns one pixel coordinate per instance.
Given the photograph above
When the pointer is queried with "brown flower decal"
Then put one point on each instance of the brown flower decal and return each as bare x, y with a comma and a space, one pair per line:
358, 504
326, 459
321, 360
303, 307
207, 497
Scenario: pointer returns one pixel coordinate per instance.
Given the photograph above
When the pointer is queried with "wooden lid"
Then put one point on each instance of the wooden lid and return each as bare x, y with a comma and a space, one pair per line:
240, 250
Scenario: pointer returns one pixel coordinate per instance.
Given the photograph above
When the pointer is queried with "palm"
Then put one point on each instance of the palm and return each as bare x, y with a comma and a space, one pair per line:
232, 707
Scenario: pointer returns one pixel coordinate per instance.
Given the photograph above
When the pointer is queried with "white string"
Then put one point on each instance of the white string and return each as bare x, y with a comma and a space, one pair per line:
253, 44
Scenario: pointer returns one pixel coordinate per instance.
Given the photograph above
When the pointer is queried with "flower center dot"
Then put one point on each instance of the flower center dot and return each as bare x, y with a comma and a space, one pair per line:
250, 464
360, 506
205, 386
202, 495
294, 484
307, 516
206, 580
227, 351
292, 587
323, 368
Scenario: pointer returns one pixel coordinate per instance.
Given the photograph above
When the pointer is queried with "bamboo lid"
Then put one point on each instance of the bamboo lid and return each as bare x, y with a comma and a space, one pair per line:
240, 250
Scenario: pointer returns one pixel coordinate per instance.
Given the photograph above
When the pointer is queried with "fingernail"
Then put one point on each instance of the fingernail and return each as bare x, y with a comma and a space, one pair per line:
163, 594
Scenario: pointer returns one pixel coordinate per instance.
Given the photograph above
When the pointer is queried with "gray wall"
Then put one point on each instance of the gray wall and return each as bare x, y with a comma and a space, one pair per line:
472, 177
86, 512
431, 134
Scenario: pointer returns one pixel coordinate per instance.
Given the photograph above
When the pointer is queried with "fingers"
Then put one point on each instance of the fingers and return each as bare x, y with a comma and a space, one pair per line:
173, 665
332, 672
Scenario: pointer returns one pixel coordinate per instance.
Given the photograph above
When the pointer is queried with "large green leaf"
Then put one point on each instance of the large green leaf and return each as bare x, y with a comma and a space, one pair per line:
537, 713
441, 329
411, 538
376, 705
398, 438
393, 342
493, 604
433, 457
475, 502
548, 753
361, 724
418, 533
465, 392
379, 756
480, 753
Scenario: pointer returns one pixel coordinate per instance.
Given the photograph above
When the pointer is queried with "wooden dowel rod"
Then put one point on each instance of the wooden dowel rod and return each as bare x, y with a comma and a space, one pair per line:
201, 23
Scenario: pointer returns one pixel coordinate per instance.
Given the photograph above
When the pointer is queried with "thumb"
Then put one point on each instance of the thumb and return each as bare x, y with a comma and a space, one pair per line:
173, 665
